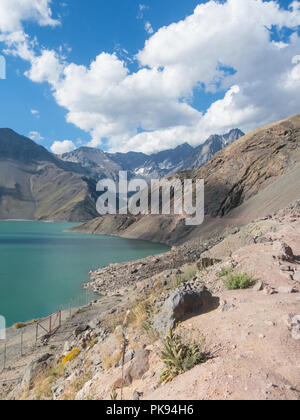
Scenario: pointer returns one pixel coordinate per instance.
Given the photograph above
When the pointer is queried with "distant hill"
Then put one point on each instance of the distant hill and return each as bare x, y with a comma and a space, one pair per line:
36, 185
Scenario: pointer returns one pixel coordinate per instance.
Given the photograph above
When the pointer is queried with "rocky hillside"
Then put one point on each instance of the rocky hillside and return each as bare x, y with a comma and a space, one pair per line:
254, 176
36, 185
236, 298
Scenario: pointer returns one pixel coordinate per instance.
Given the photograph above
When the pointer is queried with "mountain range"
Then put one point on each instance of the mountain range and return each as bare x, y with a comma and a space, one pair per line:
255, 176
38, 185
99, 164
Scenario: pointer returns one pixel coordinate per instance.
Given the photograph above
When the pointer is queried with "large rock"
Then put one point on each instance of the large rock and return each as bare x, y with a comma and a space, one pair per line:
34, 368
80, 329
179, 306
138, 367
297, 276
284, 251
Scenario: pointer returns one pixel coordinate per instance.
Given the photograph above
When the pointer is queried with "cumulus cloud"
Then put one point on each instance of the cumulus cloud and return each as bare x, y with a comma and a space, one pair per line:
45, 68
14, 12
60, 147
226, 48
35, 136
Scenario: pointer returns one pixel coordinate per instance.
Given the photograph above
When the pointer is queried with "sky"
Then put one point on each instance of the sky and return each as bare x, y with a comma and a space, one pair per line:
147, 75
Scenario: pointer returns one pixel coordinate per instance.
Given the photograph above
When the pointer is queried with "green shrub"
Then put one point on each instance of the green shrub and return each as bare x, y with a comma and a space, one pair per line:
180, 355
234, 281
224, 272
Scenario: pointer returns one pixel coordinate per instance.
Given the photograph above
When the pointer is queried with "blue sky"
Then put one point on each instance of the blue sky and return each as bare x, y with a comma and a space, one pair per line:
187, 82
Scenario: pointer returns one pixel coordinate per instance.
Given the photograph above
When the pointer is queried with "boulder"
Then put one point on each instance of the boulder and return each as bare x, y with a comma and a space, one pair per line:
284, 251
286, 289
296, 327
179, 305
258, 287
33, 369
138, 367
128, 357
94, 323
137, 395
296, 276
80, 329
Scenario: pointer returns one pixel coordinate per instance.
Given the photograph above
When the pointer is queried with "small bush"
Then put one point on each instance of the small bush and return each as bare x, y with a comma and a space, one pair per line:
141, 315
93, 343
180, 354
57, 372
186, 276
70, 356
19, 325
234, 281
223, 272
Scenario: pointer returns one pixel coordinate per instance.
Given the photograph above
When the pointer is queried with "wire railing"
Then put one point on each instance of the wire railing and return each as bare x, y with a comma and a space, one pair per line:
21, 341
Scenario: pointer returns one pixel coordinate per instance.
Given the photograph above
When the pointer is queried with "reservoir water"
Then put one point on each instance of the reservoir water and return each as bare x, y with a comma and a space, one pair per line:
43, 267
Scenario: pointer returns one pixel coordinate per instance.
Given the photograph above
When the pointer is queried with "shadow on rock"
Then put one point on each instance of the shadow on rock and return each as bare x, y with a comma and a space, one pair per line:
184, 304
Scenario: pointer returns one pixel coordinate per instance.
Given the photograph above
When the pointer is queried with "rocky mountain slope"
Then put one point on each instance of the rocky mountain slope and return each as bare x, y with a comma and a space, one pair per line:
206, 151
250, 336
95, 163
36, 185
255, 175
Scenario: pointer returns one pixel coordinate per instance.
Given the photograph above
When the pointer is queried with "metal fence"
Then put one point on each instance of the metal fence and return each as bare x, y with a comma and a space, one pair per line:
20, 342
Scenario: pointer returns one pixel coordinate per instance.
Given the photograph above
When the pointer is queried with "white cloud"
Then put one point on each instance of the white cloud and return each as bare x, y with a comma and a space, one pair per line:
148, 28
222, 47
14, 12
45, 68
142, 9
35, 112
60, 147
35, 136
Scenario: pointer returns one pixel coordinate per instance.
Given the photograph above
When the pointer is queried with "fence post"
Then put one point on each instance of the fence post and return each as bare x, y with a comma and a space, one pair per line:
22, 332
4, 357
36, 333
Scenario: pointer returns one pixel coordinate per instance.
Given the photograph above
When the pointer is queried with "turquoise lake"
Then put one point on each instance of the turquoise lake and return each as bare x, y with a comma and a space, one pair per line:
43, 267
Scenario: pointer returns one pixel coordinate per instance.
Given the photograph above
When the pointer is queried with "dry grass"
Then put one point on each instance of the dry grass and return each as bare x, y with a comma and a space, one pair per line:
20, 325
111, 351
186, 276
43, 383
75, 386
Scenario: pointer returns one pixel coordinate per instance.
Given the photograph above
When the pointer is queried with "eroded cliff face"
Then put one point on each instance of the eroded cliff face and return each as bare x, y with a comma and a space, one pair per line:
256, 175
